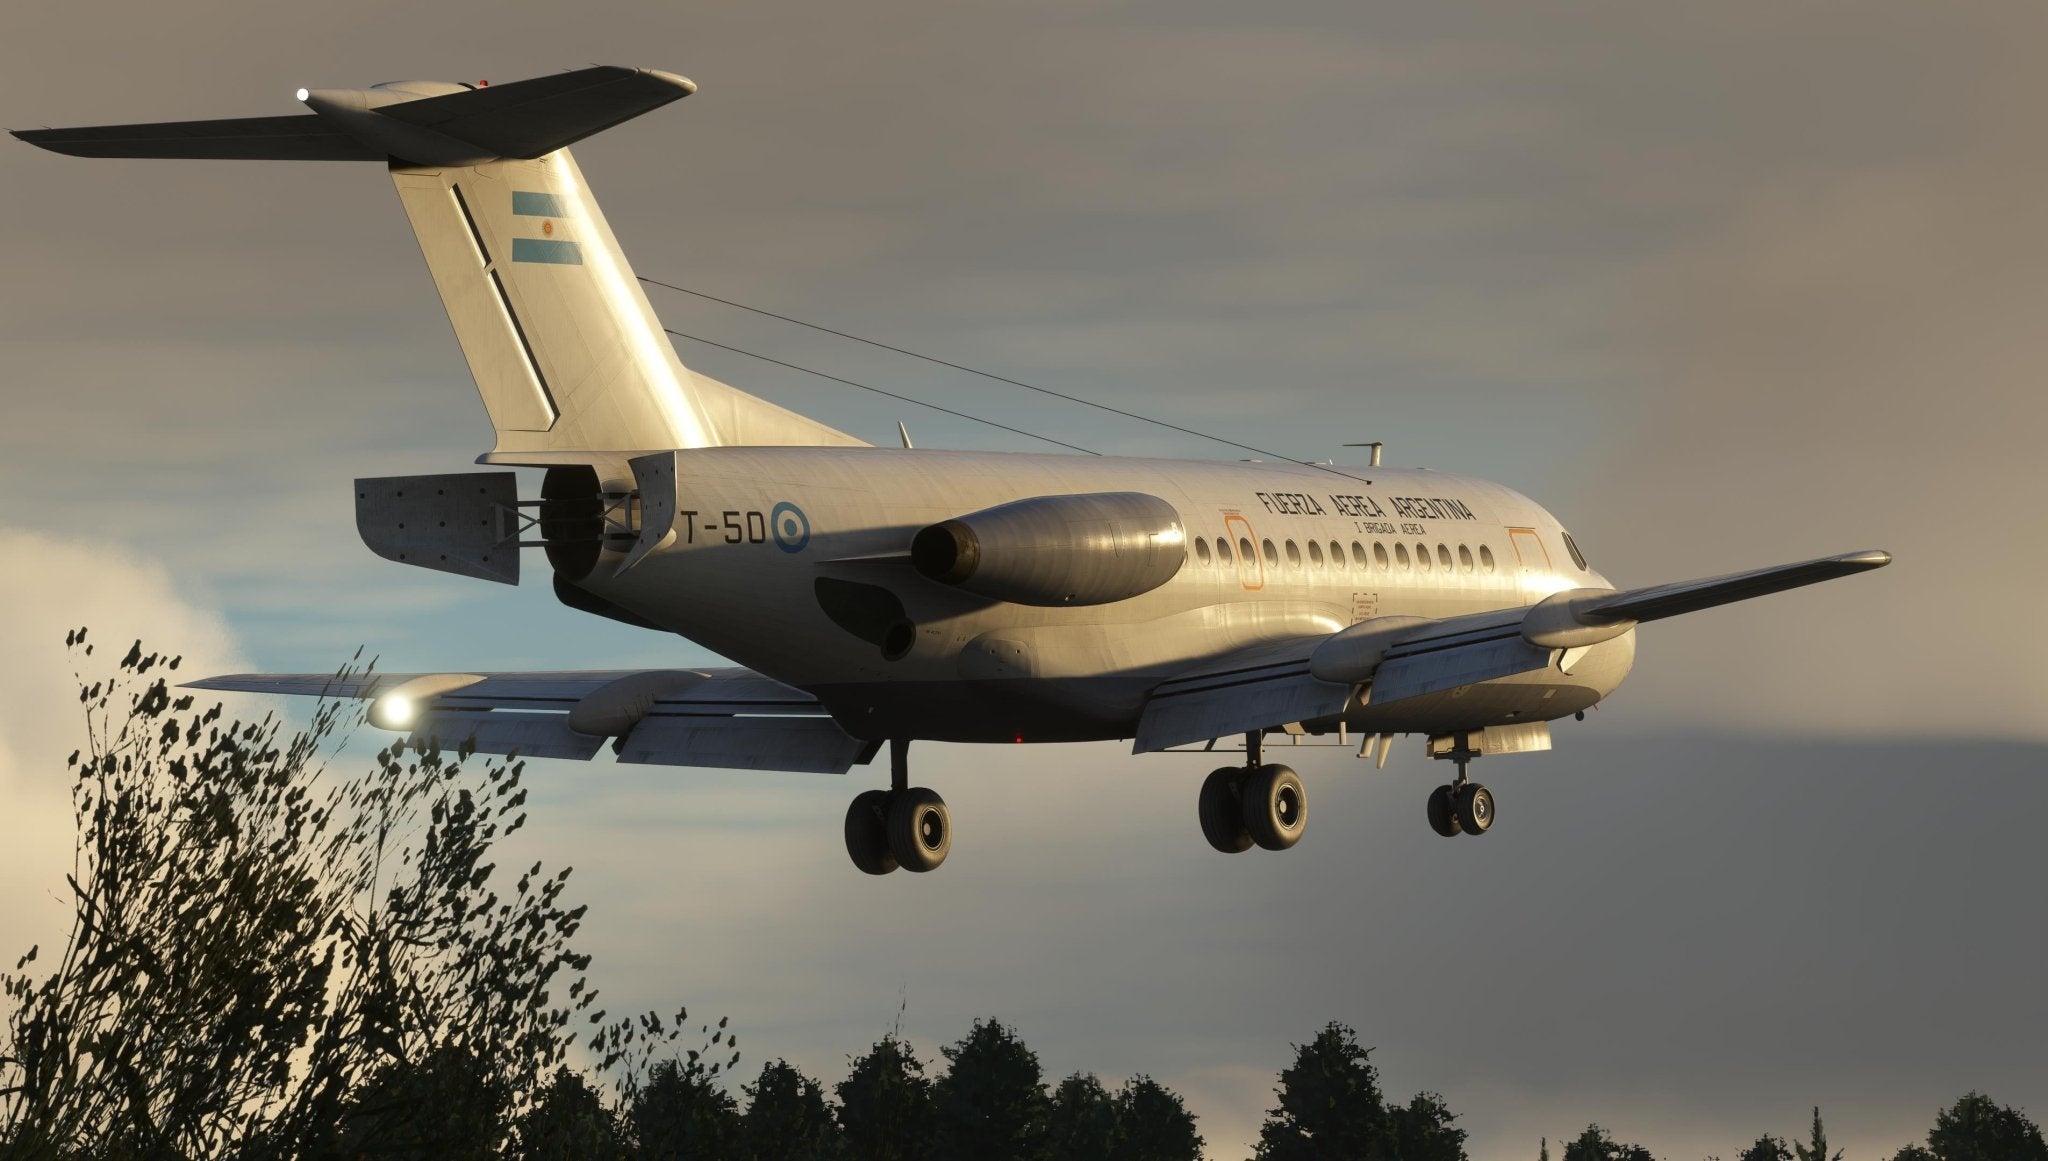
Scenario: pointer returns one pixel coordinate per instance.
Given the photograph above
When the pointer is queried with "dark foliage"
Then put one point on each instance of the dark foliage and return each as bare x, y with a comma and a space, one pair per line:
1153, 1124
1595, 1145
787, 1118
1767, 1148
569, 1122
991, 1102
1081, 1121
681, 1113
885, 1105
1976, 1128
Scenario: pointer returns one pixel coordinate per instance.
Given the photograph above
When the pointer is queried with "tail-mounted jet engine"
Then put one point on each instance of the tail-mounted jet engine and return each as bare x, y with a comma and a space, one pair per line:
474, 524
1089, 549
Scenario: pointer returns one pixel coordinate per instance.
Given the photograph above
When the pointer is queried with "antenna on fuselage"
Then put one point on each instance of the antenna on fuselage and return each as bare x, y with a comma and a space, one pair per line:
1376, 445
903, 432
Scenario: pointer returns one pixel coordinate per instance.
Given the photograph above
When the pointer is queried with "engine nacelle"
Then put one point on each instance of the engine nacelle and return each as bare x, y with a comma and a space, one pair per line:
1052, 551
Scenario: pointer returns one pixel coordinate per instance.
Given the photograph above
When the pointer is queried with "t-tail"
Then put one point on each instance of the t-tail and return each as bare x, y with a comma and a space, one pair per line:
566, 350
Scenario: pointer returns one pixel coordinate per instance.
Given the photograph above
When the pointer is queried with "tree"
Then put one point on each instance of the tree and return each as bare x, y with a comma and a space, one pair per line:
443, 1106
991, 1103
885, 1105
1767, 1148
1153, 1124
1817, 1148
681, 1112
1423, 1131
1595, 1145
787, 1117
1976, 1128
269, 959
1081, 1122
569, 1123
1330, 1103
1915, 1153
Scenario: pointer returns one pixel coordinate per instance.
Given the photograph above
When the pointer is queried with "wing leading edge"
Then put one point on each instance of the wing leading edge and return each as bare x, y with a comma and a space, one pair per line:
726, 718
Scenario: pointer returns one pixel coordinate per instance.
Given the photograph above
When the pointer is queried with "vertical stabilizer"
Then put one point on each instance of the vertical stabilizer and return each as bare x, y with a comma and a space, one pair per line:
565, 349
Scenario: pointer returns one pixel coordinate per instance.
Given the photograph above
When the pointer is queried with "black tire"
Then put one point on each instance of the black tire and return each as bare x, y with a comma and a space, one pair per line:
920, 830
867, 833
1475, 808
1275, 807
1443, 812
1222, 812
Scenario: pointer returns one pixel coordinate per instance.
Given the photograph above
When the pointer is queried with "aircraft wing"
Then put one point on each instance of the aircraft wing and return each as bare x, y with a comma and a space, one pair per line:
719, 717
1389, 659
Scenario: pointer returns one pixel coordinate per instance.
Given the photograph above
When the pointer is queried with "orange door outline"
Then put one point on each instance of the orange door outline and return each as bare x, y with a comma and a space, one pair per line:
1245, 577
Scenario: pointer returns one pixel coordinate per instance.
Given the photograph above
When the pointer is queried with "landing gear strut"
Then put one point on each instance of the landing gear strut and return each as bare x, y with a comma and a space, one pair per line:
1461, 806
1253, 803
904, 826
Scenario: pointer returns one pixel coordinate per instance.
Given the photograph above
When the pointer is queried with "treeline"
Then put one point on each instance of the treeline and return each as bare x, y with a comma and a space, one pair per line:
1975, 1128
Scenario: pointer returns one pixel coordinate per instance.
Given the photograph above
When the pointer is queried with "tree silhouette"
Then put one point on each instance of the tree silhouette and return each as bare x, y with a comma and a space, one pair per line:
1816, 1149
444, 1106
1081, 1121
991, 1103
1767, 1148
787, 1118
569, 1123
1153, 1124
1595, 1145
1976, 1128
885, 1105
1423, 1130
681, 1113
1330, 1103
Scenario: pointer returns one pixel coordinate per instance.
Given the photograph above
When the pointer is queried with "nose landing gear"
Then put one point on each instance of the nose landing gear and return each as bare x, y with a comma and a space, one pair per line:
1253, 803
904, 826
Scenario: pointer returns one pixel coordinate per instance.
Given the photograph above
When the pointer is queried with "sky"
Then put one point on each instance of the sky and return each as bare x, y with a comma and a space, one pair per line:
1720, 285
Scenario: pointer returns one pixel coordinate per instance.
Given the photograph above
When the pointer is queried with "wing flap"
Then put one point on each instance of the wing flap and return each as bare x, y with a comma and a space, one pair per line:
809, 745
1258, 688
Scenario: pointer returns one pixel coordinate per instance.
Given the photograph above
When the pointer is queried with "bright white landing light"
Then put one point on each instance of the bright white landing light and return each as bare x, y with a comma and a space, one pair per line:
303, 94
396, 713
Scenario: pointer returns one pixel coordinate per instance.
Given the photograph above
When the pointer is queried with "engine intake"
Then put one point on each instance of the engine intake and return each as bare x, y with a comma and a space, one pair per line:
1089, 549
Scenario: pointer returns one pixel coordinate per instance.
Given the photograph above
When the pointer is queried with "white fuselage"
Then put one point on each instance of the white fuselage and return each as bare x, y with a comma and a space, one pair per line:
765, 568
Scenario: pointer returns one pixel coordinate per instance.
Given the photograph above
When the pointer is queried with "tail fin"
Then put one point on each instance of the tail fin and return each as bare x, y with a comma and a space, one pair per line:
564, 346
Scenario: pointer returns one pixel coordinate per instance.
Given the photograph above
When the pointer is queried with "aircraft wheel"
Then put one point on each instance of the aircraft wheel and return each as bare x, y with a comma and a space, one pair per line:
1222, 811
1475, 808
1275, 807
867, 832
1443, 812
920, 830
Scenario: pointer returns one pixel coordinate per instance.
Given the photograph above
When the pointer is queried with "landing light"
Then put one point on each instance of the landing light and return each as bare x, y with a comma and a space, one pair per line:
397, 712
302, 94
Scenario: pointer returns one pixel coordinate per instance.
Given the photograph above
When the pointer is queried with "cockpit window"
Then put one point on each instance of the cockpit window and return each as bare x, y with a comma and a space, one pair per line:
1578, 558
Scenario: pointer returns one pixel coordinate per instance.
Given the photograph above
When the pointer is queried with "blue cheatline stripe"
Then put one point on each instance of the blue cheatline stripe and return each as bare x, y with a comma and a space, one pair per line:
538, 205
547, 250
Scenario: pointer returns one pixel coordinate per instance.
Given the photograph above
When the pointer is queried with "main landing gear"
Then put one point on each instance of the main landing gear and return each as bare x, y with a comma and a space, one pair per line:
904, 826
1462, 806
1253, 803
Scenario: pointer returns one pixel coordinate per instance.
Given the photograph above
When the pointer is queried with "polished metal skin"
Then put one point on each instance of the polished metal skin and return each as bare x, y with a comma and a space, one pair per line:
878, 595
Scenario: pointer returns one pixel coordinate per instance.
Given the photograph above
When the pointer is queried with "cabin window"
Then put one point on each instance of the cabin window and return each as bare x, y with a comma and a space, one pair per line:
1244, 550
1358, 554
1202, 552
1486, 558
1401, 556
1336, 555
1578, 558
1443, 556
1293, 555
1422, 557
1464, 559
1272, 554
1379, 554
1315, 555
1222, 550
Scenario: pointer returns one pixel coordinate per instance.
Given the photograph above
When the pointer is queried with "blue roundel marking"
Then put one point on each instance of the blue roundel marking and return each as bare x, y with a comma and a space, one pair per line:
791, 527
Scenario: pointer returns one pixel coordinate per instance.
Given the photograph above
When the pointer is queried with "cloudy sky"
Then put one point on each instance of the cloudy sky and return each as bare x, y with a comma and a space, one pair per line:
1723, 285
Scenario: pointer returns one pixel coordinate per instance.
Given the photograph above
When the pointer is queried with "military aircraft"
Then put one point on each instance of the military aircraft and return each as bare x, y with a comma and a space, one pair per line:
882, 595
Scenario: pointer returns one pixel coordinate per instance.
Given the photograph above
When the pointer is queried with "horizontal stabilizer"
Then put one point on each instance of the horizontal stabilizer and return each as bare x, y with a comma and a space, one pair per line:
452, 125
305, 137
